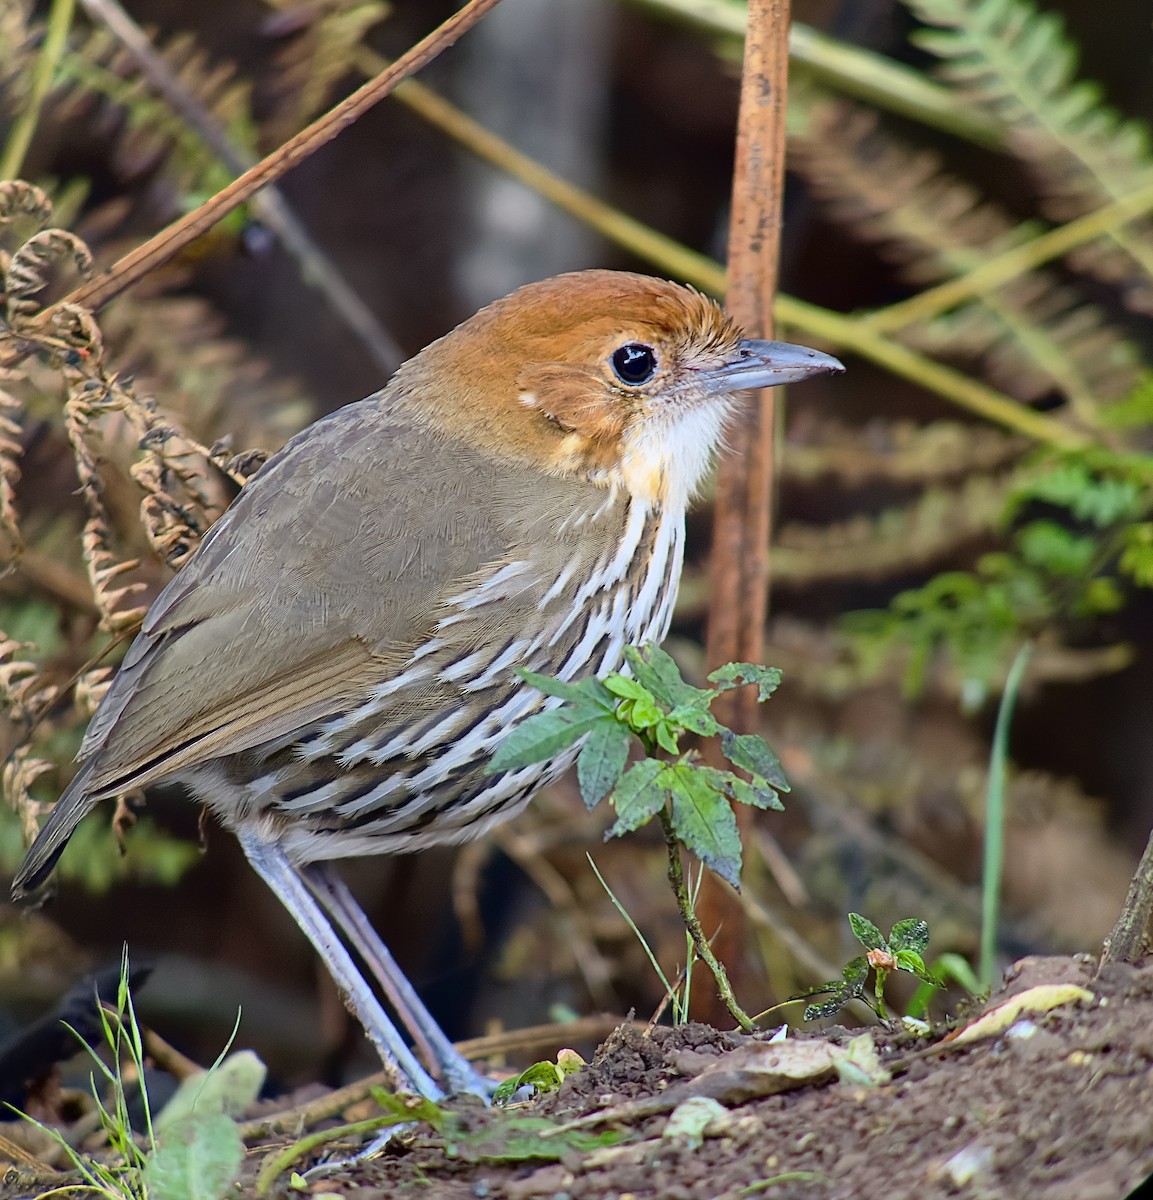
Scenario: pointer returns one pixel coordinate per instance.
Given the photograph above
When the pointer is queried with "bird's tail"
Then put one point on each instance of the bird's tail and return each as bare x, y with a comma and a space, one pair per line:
74, 804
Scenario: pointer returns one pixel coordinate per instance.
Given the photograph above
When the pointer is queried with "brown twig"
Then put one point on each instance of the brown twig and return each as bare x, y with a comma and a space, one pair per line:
742, 515
126, 271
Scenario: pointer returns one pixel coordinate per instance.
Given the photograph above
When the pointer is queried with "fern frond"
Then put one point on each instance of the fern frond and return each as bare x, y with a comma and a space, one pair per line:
102, 83
938, 227
18, 198
895, 541
900, 452
1109, 364
823, 661
319, 43
11, 411
1016, 62
21, 770
23, 689
19, 42
176, 347
37, 267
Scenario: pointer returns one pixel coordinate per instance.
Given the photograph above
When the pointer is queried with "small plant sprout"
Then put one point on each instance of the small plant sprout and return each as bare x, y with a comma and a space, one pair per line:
541, 1076
692, 801
902, 950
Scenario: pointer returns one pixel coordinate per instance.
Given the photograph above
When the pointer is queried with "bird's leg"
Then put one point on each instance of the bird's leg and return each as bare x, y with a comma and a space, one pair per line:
274, 867
457, 1073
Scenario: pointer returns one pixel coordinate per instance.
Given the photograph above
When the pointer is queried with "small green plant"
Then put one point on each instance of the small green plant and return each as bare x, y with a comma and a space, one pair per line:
692, 801
541, 1076
123, 1180
486, 1136
902, 950
679, 991
1079, 539
193, 1149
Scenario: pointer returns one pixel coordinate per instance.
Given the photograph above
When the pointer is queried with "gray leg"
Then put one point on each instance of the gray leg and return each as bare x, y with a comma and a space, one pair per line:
457, 1074
274, 867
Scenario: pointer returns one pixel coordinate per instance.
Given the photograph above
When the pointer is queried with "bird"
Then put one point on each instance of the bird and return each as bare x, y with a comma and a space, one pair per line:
334, 667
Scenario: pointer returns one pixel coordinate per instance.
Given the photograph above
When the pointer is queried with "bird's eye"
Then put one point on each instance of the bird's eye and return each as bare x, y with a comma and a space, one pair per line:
634, 363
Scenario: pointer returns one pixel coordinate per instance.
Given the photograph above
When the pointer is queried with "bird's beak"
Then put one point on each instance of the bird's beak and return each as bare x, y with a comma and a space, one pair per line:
767, 364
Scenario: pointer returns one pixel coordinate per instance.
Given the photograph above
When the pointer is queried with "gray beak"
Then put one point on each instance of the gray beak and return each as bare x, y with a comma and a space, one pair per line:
767, 364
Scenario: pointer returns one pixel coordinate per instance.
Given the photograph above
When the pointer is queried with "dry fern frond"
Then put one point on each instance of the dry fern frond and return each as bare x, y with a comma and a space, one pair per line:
86, 406
175, 347
90, 689
823, 663
48, 261
186, 493
896, 451
21, 770
938, 227
895, 541
19, 43
102, 84
18, 198
23, 689
11, 409
319, 41
1016, 62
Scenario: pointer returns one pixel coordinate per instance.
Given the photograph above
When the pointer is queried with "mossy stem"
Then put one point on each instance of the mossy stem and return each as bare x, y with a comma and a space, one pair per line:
693, 925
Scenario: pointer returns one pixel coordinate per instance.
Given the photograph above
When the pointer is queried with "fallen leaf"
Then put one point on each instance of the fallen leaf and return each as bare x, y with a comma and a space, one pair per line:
1039, 999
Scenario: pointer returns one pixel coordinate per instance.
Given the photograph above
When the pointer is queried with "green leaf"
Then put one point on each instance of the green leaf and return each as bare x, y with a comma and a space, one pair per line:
757, 794
643, 714
197, 1159
911, 961
827, 1008
541, 737
602, 759
957, 968
666, 737
696, 720
910, 934
851, 986
584, 692
1137, 557
1054, 548
523, 1139
628, 689
638, 797
752, 753
542, 1077
657, 670
734, 675
855, 972
866, 932
691, 1118
704, 821
230, 1087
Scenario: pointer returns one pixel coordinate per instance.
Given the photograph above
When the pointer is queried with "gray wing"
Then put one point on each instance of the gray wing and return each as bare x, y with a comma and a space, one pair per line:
334, 562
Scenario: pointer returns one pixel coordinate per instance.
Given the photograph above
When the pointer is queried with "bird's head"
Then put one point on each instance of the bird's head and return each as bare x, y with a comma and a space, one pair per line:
619, 378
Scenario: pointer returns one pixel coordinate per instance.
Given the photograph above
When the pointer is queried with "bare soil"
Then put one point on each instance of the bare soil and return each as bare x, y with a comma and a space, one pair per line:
1059, 1109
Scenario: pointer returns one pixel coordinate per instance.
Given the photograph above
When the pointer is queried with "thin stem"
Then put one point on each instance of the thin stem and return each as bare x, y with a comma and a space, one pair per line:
689, 916
995, 818
59, 22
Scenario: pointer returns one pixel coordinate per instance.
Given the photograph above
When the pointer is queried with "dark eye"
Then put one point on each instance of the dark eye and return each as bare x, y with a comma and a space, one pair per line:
634, 363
